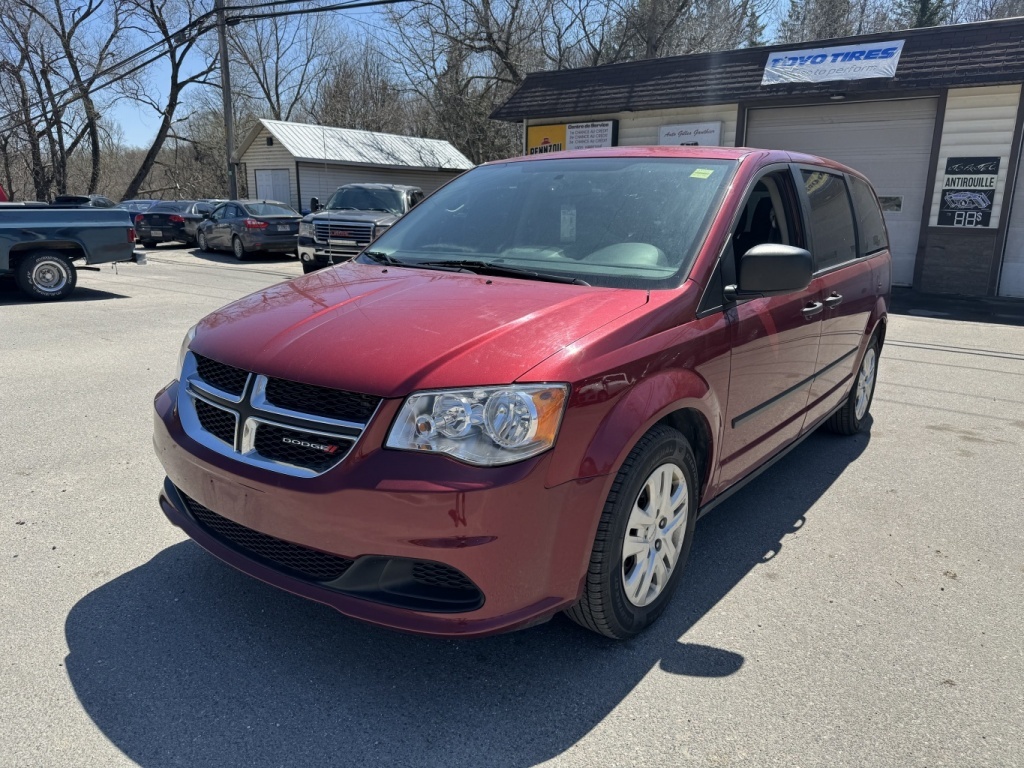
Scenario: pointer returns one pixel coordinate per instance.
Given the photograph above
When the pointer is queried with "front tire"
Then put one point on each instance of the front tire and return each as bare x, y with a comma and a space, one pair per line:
849, 420
643, 538
46, 276
204, 246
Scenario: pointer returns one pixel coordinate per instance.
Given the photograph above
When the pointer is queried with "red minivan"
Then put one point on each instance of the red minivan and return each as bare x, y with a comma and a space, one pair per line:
521, 398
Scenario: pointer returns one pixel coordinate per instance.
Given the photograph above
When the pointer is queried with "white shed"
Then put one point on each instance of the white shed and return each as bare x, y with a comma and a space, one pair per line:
293, 162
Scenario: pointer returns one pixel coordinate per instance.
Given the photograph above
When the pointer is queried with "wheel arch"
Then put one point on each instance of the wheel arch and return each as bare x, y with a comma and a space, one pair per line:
681, 399
70, 249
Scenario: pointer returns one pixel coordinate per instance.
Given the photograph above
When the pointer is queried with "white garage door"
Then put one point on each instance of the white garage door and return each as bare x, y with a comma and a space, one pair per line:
1011, 278
888, 141
273, 185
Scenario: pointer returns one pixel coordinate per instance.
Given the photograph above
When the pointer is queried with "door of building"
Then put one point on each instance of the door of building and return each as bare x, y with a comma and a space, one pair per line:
888, 141
273, 185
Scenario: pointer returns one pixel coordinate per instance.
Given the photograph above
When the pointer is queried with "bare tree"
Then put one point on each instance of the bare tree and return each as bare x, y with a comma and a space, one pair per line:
178, 27
88, 34
280, 61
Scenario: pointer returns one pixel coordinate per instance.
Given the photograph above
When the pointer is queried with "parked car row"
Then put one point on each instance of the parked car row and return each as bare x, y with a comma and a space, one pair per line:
355, 216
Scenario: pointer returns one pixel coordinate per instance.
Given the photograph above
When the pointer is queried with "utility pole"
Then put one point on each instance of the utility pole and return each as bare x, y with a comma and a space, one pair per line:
225, 89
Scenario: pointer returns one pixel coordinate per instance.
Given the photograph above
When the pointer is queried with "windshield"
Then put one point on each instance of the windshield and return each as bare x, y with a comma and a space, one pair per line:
615, 222
366, 199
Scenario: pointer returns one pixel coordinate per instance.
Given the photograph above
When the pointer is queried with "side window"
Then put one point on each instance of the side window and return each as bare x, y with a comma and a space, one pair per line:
869, 218
832, 228
414, 198
768, 216
218, 214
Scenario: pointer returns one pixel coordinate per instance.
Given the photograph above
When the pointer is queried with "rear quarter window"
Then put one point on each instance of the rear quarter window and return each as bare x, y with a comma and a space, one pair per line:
873, 237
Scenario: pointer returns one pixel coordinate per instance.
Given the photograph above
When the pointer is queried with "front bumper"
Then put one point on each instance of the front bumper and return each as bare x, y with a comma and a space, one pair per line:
325, 255
524, 546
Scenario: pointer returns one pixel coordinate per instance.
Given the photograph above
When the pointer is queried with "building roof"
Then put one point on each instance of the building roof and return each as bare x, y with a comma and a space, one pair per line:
348, 146
985, 53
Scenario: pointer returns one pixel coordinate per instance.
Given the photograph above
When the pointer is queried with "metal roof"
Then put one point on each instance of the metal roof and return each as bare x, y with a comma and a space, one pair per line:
984, 53
320, 143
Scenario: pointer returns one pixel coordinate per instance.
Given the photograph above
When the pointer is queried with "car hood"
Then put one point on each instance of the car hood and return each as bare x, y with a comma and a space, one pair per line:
370, 217
388, 331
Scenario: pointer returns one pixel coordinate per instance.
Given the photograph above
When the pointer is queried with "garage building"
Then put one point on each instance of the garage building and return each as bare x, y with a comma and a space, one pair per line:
933, 117
293, 162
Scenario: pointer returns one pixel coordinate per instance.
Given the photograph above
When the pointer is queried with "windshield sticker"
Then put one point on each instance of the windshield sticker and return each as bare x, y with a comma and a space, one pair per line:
568, 224
701, 173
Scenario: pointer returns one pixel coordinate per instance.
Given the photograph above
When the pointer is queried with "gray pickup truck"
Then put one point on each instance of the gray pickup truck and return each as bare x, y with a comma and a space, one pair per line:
43, 246
352, 219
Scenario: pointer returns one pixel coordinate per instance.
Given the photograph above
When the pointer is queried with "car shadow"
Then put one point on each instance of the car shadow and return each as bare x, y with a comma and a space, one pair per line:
11, 294
971, 309
218, 257
184, 661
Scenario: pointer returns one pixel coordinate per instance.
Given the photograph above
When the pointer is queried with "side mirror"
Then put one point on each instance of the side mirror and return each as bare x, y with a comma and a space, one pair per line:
314, 204
771, 269
205, 215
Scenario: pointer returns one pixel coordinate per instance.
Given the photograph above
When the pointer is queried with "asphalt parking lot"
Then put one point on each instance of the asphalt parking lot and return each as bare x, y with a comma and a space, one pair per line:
860, 604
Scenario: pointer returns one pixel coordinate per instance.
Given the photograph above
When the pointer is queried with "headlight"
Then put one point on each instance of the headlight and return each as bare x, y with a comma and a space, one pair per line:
305, 229
486, 426
189, 336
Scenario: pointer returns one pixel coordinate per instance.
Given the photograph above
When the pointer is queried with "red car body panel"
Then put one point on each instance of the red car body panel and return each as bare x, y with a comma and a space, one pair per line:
522, 533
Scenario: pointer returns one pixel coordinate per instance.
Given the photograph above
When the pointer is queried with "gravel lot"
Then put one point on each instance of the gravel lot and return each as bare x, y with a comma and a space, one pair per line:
858, 605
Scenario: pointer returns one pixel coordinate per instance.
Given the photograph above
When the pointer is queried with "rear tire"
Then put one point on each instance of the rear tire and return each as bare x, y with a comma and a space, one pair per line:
643, 538
149, 244
849, 420
238, 249
46, 276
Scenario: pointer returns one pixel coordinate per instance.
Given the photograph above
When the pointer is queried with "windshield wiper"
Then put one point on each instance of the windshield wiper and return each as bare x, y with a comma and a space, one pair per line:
382, 258
489, 268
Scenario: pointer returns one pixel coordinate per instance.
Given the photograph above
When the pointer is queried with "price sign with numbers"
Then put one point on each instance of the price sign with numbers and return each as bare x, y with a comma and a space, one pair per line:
968, 192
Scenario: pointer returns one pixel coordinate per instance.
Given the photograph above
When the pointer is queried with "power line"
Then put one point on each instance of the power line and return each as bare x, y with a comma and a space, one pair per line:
196, 25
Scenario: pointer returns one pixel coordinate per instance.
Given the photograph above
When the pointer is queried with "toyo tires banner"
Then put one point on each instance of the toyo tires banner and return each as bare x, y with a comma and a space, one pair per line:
843, 62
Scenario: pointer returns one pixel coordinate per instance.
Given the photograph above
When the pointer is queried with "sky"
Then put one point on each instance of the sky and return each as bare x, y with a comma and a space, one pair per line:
140, 122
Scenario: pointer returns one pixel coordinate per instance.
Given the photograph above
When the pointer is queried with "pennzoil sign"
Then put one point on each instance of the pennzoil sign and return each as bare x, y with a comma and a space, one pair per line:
541, 139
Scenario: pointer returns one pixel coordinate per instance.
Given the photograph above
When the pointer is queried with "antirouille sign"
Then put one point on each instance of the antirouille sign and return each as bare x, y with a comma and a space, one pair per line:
968, 192
843, 62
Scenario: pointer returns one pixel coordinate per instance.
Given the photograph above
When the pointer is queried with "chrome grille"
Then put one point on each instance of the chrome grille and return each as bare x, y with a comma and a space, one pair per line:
224, 377
341, 238
217, 421
343, 231
332, 403
304, 431
302, 449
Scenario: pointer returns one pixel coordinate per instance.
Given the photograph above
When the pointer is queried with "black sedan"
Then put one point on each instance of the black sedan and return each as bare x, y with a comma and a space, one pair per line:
162, 223
195, 214
250, 226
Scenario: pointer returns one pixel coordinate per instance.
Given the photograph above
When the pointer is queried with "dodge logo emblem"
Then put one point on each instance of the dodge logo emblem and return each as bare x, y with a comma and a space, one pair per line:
331, 449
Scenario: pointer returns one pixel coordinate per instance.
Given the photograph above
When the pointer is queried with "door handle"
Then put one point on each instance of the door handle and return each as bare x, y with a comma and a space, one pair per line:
834, 300
813, 309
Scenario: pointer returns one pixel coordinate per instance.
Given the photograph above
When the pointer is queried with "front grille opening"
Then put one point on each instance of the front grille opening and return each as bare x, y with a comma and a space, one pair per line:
321, 401
399, 582
216, 421
440, 575
300, 449
306, 563
226, 378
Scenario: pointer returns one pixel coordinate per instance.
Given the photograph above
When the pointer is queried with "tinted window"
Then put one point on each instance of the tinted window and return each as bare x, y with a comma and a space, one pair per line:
616, 222
269, 209
367, 199
869, 218
832, 229
176, 206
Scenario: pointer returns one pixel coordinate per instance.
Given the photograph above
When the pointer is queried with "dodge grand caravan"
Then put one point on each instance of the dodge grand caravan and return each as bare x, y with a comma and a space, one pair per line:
520, 399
